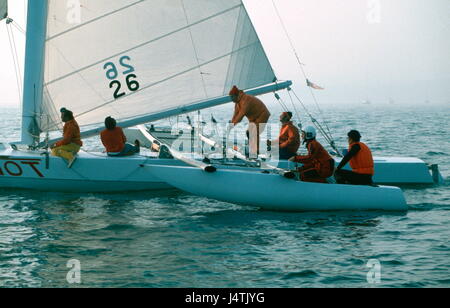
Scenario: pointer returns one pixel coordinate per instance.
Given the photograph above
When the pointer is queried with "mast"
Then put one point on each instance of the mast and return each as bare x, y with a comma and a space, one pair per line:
34, 70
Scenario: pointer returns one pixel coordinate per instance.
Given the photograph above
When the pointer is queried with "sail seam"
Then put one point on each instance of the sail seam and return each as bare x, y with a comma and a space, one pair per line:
232, 65
76, 72
94, 20
143, 44
194, 47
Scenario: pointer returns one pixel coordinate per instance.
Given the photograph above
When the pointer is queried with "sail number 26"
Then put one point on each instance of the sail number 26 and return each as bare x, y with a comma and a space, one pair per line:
112, 73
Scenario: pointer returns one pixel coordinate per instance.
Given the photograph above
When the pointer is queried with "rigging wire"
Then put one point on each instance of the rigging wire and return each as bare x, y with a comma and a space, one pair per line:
17, 26
282, 103
317, 124
12, 45
295, 109
17, 60
302, 68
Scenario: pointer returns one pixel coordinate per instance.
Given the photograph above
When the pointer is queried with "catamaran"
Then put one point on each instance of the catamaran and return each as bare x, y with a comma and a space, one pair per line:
140, 62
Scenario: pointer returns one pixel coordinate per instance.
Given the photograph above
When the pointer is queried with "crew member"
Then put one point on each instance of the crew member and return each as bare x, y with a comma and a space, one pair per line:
114, 140
318, 165
289, 139
361, 162
71, 143
256, 113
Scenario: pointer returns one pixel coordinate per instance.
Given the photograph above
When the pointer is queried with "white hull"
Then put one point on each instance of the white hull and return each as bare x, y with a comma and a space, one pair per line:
90, 173
388, 170
395, 170
274, 192
98, 173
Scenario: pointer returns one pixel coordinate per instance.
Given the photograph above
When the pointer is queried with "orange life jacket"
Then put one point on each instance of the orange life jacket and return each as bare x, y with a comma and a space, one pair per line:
113, 140
71, 134
252, 108
289, 137
318, 159
362, 162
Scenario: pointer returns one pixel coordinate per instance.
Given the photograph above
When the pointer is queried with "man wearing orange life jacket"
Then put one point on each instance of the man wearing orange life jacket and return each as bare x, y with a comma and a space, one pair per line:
71, 143
115, 142
256, 112
289, 139
361, 161
318, 165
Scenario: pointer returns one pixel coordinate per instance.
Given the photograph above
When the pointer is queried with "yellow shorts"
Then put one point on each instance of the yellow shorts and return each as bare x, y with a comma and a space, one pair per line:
66, 151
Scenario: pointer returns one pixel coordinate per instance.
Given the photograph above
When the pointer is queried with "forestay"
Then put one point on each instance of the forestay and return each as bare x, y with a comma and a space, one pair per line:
128, 58
3, 9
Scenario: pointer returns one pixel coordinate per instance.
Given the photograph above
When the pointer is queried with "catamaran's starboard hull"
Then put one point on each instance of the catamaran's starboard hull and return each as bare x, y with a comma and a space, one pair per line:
274, 192
395, 170
388, 170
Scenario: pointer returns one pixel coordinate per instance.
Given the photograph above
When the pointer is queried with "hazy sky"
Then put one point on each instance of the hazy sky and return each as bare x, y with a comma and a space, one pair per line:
356, 49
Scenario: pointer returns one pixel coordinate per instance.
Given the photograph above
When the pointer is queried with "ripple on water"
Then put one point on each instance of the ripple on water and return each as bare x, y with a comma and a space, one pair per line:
301, 274
172, 239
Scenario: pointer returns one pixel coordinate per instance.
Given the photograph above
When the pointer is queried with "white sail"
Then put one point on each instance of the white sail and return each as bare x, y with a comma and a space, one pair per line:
3, 9
129, 58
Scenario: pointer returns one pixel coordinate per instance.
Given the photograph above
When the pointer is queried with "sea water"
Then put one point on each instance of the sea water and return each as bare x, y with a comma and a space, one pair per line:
173, 239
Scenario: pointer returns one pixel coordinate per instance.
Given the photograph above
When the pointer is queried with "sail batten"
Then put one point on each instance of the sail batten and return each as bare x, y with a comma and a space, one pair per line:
144, 57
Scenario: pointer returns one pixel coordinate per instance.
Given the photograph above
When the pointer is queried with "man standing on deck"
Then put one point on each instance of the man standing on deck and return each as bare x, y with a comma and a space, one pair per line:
71, 143
256, 112
361, 161
289, 139
318, 165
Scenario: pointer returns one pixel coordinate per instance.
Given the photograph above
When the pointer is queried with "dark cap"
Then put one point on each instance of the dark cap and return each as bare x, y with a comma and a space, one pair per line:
110, 123
288, 114
67, 113
354, 134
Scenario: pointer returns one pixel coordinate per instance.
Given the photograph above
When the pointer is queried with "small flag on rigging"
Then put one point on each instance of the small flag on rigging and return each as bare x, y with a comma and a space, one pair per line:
313, 85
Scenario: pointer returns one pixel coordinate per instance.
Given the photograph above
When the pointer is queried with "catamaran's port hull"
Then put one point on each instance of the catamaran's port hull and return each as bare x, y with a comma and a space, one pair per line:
274, 192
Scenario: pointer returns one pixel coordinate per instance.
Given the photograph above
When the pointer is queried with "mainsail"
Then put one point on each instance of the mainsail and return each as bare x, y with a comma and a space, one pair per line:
3, 9
129, 58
